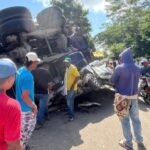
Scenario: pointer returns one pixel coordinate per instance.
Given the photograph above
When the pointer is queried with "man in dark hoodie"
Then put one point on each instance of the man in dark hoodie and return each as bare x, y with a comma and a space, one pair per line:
125, 79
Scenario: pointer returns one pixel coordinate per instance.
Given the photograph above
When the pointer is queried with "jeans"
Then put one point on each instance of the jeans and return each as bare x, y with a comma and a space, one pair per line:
70, 103
43, 108
125, 122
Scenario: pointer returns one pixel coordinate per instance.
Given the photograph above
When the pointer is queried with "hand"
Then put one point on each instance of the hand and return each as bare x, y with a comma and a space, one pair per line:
50, 86
34, 109
72, 88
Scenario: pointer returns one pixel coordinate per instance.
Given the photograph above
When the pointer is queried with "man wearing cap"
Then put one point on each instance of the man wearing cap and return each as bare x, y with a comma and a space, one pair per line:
10, 112
70, 85
25, 96
145, 70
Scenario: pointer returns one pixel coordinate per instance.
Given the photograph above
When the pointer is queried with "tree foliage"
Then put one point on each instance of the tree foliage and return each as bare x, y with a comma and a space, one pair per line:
74, 13
129, 26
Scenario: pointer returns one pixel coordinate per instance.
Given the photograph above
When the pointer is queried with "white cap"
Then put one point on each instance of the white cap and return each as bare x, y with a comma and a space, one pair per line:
32, 57
144, 60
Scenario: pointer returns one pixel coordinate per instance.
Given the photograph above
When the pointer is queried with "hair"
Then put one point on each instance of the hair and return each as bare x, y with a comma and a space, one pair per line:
27, 63
43, 64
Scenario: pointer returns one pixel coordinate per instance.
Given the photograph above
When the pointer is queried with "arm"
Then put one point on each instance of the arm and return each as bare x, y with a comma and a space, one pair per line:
27, 100
143, 71
75, 73
26, 83
75, 81
115, 77
50, 87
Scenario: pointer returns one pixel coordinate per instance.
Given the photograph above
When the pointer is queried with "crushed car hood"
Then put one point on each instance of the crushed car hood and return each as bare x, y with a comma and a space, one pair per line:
99, 69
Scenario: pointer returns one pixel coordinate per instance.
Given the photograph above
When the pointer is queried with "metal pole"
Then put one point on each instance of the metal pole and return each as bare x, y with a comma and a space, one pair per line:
49, 47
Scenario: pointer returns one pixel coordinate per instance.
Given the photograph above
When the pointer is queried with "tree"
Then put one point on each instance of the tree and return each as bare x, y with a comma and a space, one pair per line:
130, 23
74, 13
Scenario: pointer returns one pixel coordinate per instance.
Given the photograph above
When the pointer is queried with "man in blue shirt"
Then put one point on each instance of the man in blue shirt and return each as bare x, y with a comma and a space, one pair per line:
25, 96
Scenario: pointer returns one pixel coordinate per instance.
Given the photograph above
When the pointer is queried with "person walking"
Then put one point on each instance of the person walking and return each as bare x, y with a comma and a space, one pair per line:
125, 79
70, 85
25, 96
43, 86
10, 111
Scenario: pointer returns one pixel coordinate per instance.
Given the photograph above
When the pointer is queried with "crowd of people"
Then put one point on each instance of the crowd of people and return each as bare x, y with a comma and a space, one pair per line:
19, 117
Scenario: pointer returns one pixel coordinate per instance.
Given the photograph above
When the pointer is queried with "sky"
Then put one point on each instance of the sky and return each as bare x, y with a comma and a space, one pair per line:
97, 14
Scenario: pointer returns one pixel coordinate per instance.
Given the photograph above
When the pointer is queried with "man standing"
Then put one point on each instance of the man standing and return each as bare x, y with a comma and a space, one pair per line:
10, 112
25, 96
43, 86
125, 78
145, 70
78, 41
70, 85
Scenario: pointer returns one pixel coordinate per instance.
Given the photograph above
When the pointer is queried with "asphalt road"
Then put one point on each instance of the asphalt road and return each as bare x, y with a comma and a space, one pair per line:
97, 129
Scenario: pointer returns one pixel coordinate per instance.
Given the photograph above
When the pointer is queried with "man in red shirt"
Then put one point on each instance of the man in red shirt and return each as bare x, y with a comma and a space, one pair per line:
10, 112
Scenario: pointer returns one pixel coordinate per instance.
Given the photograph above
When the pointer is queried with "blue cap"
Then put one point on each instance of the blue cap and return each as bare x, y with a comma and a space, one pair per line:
7, 68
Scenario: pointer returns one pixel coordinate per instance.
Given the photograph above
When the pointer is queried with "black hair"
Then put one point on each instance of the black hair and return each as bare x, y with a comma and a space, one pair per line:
27, 63
42, 63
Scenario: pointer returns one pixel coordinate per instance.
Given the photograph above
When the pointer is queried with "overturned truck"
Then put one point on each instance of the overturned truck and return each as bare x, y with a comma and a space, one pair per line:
48, 37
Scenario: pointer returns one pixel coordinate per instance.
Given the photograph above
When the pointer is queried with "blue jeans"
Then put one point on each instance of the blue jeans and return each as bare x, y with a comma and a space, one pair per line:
70, 103
43, 108
134, 115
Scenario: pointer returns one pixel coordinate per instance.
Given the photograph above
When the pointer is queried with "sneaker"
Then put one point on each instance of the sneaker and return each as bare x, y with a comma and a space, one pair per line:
27, 147
125, 146
71, 119
38, 126
141, 146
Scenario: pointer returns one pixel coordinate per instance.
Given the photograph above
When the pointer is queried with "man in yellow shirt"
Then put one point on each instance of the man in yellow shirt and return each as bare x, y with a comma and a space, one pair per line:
70, 85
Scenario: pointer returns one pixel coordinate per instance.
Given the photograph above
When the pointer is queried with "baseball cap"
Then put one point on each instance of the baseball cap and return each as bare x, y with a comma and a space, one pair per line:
67, 59
32, 57
7, 68
144, 60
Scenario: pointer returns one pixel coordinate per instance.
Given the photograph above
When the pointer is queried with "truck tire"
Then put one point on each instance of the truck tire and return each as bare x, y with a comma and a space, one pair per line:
14, 12
15, 20
16, 26
51, 18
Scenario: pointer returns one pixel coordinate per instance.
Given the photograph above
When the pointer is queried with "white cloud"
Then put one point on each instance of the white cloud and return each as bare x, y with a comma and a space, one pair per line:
45, 3
94, 5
